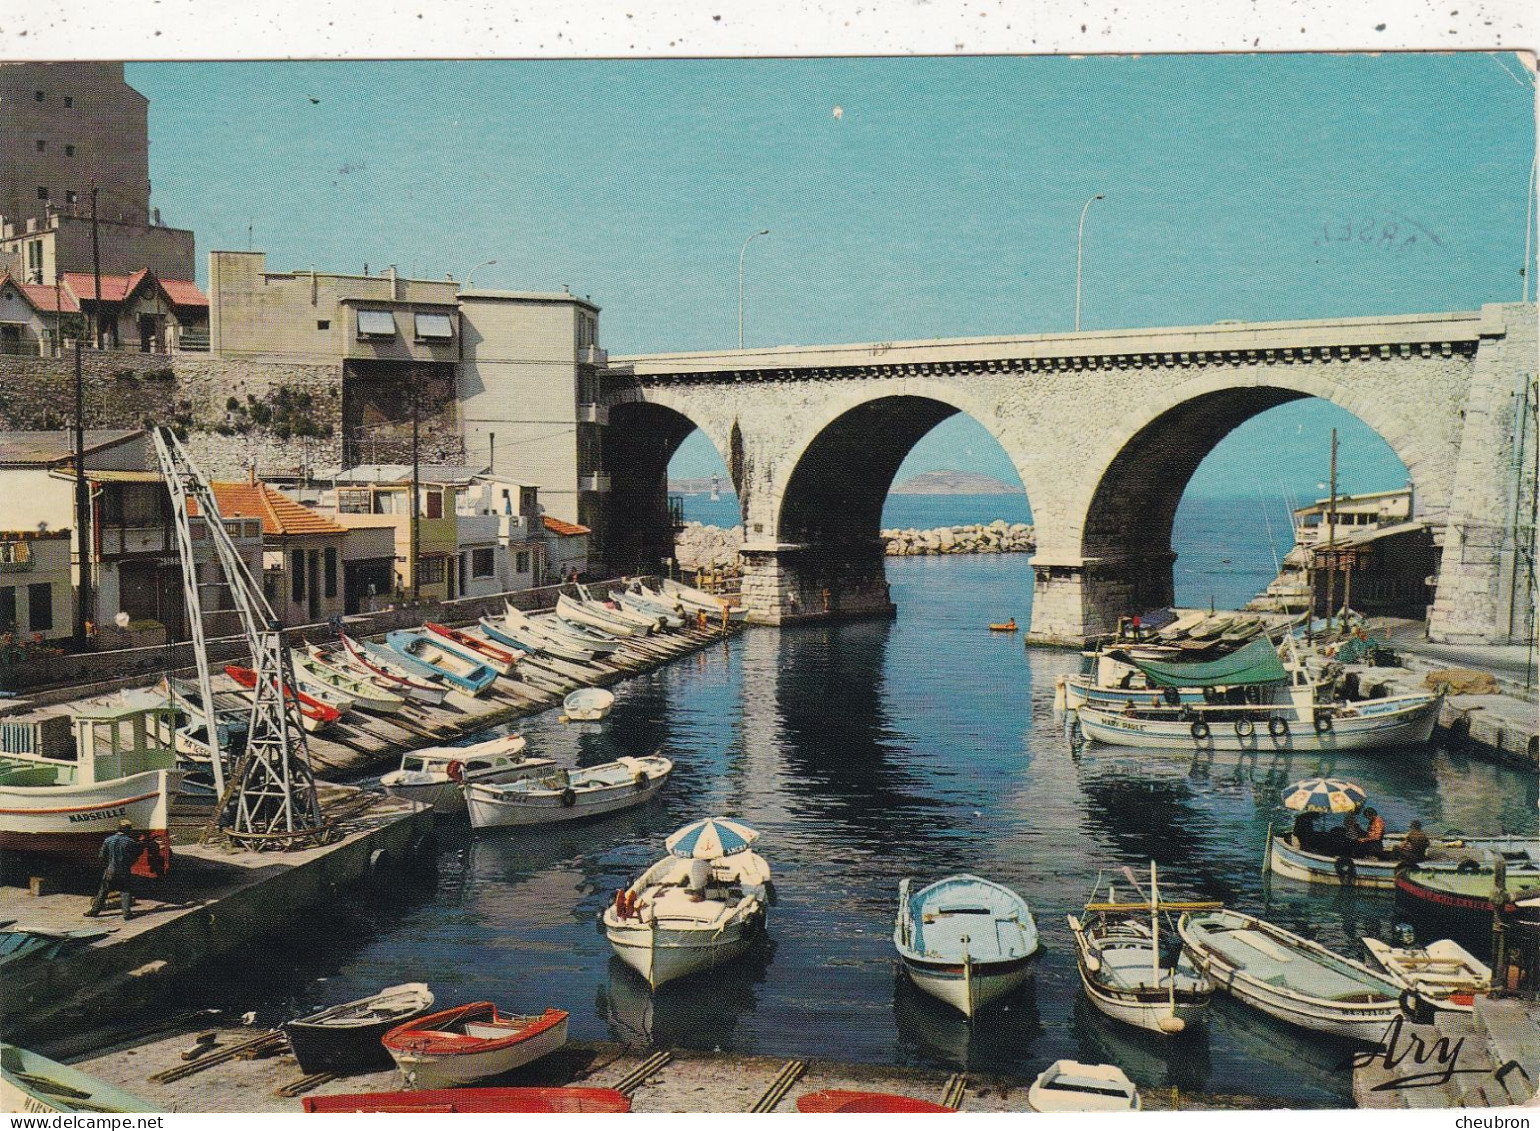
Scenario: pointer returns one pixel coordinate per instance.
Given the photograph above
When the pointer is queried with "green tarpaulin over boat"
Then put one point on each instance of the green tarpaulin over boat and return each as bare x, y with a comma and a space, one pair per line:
1255, 663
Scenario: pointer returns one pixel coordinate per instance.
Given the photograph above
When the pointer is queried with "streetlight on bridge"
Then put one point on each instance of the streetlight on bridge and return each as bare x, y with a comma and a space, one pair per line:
478, 267
1079, 256
741, 253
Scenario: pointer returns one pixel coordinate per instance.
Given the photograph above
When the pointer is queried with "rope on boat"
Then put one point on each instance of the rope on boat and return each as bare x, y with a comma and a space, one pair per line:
634, 1079
955, 1090
790, 1073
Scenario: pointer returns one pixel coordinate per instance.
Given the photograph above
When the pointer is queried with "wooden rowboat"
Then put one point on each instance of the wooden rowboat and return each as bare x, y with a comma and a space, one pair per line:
965, 941
453, 1100
1006, 626
346, 1038
33, 1083
837, 1099
1443, 974
479, 648
377, 661
588, 704
472, 1042
1068, 1085
313, 713
434, 654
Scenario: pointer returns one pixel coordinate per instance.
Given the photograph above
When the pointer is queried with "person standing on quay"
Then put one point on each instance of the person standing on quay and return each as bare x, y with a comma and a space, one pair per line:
118, 852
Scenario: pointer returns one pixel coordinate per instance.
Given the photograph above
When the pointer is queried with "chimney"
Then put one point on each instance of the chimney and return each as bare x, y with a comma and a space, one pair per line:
390, 273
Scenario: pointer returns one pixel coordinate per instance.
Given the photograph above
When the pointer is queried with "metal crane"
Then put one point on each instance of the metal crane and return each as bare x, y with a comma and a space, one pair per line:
269, 799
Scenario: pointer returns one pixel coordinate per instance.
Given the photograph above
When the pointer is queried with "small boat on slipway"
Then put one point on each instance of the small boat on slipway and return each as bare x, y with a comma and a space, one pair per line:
311, 674
1289, 977
588, 614
500, 659
345, 1039
434, 775
378, 661
1443, 974
588, 704
432, 654
837, 1099
563, 795
314, 715
965, 940
450, 1101
1069, 1086
33, 1083
472, 1042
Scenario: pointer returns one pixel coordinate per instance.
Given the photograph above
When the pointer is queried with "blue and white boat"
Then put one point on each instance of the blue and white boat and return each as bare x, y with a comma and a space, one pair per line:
424, 650
965, 940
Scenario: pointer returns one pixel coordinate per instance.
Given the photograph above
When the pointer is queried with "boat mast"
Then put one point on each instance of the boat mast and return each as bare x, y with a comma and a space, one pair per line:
1154, 926
1331, 536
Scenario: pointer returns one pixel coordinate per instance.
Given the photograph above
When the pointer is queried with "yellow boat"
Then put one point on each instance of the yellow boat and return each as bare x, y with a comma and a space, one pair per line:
1008, 626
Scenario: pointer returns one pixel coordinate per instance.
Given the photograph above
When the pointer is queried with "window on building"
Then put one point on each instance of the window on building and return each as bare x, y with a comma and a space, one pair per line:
435, 501
330, 571
433, 327
521, 562
42, 192
323, 324
526, 500
353, 502
297, 576
71, 196
432, 570
481, 563
69, 151
40, 607
42, 146
69, 102
376, 324
38, 96
7, 607
141, 505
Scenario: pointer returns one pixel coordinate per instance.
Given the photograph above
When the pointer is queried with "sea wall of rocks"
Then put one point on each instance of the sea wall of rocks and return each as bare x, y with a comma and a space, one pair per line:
712, 547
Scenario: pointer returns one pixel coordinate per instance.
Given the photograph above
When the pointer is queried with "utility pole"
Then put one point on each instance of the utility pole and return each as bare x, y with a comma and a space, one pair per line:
1331, 534
415, 561
83, 590
96, 268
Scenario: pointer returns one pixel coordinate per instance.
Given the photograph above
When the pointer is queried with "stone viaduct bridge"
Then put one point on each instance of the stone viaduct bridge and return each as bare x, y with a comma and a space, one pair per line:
1105, 429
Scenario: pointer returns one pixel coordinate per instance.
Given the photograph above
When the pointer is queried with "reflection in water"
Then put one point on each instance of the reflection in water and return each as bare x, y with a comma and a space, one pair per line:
700, 1011
1150, 1059
995, 1041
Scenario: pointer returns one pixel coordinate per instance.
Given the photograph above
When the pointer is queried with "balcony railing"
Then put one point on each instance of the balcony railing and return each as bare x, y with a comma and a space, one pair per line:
593, 355
15, 557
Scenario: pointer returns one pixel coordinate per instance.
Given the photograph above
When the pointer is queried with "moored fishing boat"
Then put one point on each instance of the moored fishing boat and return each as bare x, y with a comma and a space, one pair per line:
1462, 902
421, 686
434, 775
588, 704
33, 1083
123, 767
433, 653
345, 1039
364, 694
477, 648
1118, 952
1148, 675
1445, 854
838, 1099
965, 940
472, 1042
1069, 1086
1442, 974
699, 907
448, 1101
562, 795
1289, 977
314, 714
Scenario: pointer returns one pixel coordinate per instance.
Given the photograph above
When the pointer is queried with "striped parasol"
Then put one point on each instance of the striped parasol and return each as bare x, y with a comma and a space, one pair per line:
711, 838
1324, 795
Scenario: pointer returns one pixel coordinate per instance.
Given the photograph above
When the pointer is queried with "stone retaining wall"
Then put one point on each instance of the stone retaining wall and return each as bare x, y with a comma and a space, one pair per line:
712, 547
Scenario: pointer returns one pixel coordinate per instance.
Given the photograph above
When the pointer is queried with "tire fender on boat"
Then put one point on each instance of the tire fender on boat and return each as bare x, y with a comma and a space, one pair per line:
1323, 723
1200, 730
640, 780
568, 797
377, 872
1416, 1007
1278, 727
1347, 869
1245, 728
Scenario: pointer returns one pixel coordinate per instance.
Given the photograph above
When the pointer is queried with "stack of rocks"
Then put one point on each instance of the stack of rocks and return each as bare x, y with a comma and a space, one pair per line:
998, 537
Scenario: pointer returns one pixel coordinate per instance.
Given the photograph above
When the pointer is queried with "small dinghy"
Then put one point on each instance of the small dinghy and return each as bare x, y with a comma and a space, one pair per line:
1068, 1085
450, 1101
837, 1099
472, 1042
500, 659
588, 704
1118, 951
1443, 974
563, 795
590, 615
311, 672
433, 775
345, 1039
1004, 626
965, 940
33, 1083
1289, 977
314, 715
378, 661
433, 654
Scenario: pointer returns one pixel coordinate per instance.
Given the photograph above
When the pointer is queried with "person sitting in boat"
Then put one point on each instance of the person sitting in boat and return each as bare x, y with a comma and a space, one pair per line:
1306, 835
1372, 842
697, 879
1342, 840
1414, 846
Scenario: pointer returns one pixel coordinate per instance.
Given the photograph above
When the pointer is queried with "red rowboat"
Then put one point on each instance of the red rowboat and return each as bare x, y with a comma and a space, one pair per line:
449, 1100
313, 713
502, 659
836, 1100
472, 1042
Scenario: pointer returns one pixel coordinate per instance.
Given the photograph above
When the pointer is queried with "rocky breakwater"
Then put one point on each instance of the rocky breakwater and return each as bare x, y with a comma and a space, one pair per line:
998, 537
712, 547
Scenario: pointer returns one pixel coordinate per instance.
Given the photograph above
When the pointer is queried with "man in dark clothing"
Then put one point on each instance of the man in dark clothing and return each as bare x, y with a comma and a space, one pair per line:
118, 852
1414, 846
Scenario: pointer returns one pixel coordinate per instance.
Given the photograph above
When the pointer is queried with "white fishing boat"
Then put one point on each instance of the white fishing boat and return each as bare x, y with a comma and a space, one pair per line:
550, 625
1068, 1085
708, 603
1443, 974
588, 704
1289, 977
585, 615
1147, 675
964, 940
1286, 857
476, 647
33, 1083
645, 622
418, 649
433, 775
1117, 947
416, 684
310, 673
563, 795
700, 907
662, 615
123, 767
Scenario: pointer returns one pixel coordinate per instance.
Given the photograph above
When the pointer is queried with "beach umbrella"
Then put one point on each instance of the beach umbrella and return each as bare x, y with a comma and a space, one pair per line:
711, 838
1324, 795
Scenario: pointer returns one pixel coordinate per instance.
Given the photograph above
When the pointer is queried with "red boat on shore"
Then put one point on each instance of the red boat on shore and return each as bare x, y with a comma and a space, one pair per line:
313, 713
835, 1099
452, 1100
500, 660
472, 1042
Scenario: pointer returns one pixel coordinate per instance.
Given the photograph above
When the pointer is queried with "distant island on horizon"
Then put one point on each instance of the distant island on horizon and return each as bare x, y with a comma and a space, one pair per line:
926, 483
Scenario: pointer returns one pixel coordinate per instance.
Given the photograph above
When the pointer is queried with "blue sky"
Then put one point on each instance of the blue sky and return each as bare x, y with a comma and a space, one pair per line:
941, 200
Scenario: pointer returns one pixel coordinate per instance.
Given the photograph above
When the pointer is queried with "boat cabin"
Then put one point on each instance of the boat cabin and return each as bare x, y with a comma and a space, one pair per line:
110, 742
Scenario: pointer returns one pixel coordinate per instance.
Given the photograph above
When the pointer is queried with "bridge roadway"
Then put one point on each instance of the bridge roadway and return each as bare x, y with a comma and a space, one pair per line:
1105, 429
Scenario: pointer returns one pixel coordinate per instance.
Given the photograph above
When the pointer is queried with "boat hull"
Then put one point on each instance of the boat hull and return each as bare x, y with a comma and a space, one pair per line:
496, 1100
972, 990
71, 821
326, 1048
23, 1074
580, 613
427, 1070
490, 809
1410, 726
663, 954
1285, 859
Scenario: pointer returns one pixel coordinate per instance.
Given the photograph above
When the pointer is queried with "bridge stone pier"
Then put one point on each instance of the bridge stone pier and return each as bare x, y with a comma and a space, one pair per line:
1105, 430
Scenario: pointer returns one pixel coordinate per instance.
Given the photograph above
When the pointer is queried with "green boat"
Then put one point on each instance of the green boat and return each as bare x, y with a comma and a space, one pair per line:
1461, 901
32, 1083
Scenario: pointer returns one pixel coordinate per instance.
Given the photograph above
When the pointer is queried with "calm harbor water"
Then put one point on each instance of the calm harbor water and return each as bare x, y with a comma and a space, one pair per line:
866, 752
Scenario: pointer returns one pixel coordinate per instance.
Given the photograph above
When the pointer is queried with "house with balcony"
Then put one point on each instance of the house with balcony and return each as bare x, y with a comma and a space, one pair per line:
36, 584
566, 547
501, 543
379, 496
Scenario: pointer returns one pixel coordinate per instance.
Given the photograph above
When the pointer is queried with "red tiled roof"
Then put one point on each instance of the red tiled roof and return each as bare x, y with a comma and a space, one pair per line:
557, 526
280, 514
182, 292
41, 297
117, 288
83, 284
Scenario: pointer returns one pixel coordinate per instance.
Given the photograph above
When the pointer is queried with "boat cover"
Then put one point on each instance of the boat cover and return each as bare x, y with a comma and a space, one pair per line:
1257, 662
